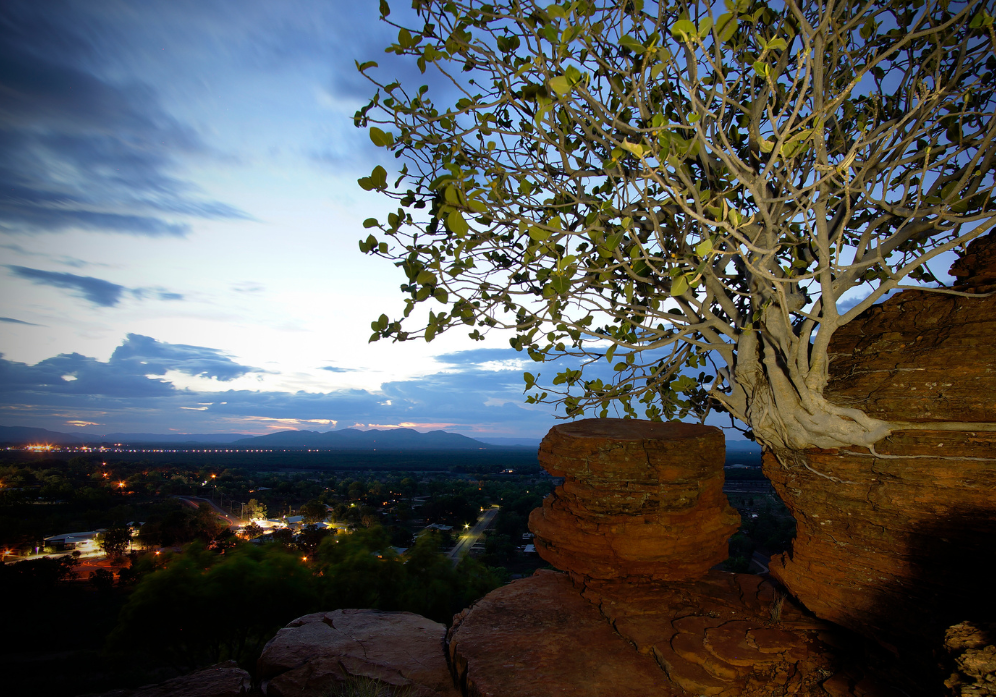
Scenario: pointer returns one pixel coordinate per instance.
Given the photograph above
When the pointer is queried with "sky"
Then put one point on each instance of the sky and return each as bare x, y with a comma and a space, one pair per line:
179, 218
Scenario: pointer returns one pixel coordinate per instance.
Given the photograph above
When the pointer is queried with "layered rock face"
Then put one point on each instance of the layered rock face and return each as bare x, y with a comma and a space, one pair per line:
315, 652
639, 500
727, 635
900, 542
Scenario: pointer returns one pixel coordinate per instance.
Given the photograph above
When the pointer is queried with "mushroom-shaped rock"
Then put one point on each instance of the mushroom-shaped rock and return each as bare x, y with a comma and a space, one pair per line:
639, 499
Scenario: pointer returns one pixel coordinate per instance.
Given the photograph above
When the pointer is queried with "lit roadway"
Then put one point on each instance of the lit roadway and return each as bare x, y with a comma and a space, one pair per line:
469, 537
223, 514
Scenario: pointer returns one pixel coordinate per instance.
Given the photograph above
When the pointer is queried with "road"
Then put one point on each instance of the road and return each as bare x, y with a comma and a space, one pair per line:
471, 536
195, 501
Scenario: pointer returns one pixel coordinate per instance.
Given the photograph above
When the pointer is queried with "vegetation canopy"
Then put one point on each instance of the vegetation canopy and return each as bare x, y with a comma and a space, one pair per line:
687, 191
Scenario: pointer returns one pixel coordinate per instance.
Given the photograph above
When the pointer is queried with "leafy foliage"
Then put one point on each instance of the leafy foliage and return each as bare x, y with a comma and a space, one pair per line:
684, 191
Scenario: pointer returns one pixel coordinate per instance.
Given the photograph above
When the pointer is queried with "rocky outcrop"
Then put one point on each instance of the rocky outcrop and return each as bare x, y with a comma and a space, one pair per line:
896, 541
399, 649
726, 635
222, 680
537, 637
972, 649
639, 500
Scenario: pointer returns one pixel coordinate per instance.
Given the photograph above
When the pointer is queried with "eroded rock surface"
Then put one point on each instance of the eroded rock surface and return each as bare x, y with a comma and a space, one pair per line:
639, 500
313, 652
973, 649
538, 637
725, 635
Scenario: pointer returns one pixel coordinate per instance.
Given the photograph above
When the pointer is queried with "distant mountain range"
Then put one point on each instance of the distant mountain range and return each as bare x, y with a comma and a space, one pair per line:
353, 439
346, 439
23, 434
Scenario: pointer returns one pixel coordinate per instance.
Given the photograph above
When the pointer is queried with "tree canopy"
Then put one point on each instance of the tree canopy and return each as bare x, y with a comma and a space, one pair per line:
685, 190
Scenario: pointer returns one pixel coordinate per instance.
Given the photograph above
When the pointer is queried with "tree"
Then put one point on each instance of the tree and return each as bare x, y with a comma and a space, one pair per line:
252, 531
254, 510
691, 194
205, 608
314, 512
114, 541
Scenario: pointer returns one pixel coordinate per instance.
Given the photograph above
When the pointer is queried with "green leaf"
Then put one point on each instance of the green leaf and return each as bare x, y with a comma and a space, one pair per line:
703, 248
561, 85
679, 286
370, 222
441, 295
457, 224
726, 27
426, 278
705, 26
634, 148
380, 138
538, 234
379, 177
385, 9
767, 145
632, 44
364, 66
683, 29
761, 68
778, 44
556, 11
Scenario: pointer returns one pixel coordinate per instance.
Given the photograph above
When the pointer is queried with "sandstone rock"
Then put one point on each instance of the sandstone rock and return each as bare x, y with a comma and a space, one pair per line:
919, 356
639, 499
718, 636
976, 268
901, 546
313, 652
973, 649
896, 542
538, 637
221, 680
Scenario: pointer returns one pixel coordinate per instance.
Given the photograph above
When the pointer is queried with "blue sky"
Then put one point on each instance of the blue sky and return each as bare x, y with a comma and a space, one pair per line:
179, 219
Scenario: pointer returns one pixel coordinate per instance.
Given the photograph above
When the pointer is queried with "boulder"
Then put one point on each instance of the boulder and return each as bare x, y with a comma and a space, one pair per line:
726, 635
910, 522
639, 500
221, 680
537, 637
399, 649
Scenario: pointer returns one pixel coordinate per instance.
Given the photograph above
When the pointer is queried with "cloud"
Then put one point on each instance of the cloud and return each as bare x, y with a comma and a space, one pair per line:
148, 356
96, 290
335, 369
11, 320
78, 150
131, 391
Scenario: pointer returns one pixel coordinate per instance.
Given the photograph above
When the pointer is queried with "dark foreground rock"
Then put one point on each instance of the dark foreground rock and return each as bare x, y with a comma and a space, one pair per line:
727, 635
538, 637
222, 680
313, 653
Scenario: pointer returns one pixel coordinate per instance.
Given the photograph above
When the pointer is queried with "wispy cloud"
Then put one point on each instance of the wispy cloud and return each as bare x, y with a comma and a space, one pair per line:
11, 320
96, 290
78, 151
